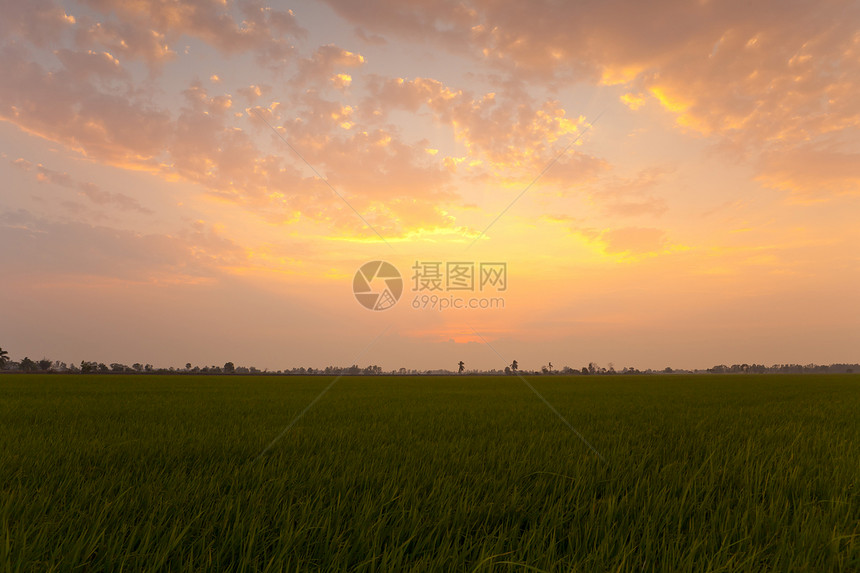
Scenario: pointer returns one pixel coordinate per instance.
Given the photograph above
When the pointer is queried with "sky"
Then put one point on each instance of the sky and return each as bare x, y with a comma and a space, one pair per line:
642, 184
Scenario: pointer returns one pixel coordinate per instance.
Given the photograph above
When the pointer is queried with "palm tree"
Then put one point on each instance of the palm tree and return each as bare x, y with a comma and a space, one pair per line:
4, 358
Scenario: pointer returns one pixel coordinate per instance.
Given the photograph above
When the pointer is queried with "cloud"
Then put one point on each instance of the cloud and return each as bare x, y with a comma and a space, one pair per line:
573, 169
119, 200
39, 247
767, 76
89, 102
629, 242
128, 40
633, 196
810, 173
394, 185
202, 144
341, 81
371, 39
254, 92
230, 27
633, 101
42, 22
63, 106
442, 20
511, 133
397, 186
325, 62
87, 189
89, 63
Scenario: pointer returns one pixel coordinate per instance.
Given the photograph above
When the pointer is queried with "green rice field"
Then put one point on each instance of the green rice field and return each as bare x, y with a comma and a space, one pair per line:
164, 473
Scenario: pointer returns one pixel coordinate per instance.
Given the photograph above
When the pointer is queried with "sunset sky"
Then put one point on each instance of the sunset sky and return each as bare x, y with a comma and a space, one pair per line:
706, 211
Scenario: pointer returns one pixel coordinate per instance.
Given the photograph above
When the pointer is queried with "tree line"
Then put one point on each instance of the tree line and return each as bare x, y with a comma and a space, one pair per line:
46, 365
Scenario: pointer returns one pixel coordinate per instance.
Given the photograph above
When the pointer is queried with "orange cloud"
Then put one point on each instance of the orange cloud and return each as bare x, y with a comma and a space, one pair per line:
768, 76
126, 39
42, 23
512, 133
86, 63
397, 185
633, 101
633, 196
810, 173
85, 188
45, 247
63, 106
148, 27
326, 61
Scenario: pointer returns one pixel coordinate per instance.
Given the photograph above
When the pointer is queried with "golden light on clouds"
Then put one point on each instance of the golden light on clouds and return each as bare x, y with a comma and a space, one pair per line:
341, 80
672, 103
633, 101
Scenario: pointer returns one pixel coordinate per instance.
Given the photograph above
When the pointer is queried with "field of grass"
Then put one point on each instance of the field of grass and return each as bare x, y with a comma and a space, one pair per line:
161, 473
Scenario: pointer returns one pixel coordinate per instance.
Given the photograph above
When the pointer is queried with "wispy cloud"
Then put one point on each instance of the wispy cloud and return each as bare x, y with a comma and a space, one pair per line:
90, 190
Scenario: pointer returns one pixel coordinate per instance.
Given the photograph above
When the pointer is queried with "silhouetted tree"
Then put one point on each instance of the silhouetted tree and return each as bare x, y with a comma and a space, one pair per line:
514, 365
4, 358
27, 365
229, 368
45, 364
462, 366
